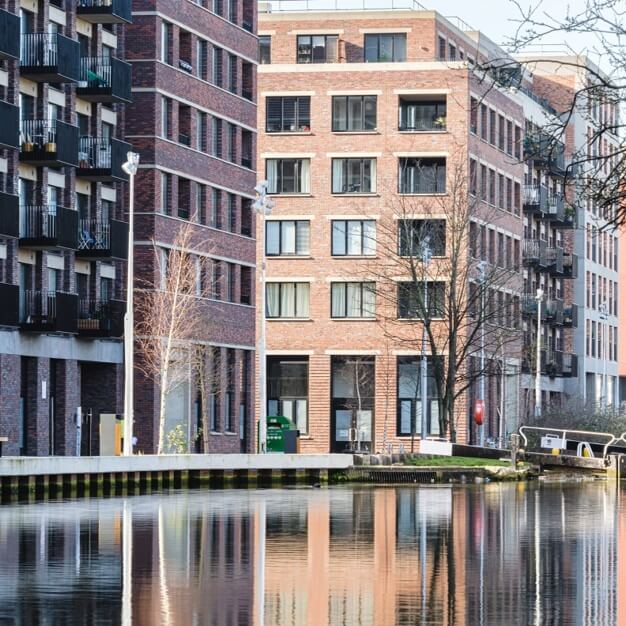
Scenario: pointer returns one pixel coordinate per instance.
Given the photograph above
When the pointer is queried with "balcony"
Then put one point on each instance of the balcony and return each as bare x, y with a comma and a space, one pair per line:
570, 316
101, 160
545, 151
419, 115
104, 79
535, 199
104, 11
100, 318
10, 127
49, 143
98, 239
49, 311
535, 253
9, 215
554, 256
570, 365
529, 306
9, 35
48, 227
570, 265
10, 309
49, 58
554, 311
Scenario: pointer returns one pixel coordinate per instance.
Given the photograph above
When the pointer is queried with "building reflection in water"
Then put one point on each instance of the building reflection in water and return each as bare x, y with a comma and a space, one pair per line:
494, 554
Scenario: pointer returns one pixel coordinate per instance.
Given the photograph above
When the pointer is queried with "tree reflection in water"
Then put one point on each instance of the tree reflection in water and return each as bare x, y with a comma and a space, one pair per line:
494, 554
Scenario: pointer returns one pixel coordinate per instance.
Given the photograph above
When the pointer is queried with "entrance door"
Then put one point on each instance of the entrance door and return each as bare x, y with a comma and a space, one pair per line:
352, 430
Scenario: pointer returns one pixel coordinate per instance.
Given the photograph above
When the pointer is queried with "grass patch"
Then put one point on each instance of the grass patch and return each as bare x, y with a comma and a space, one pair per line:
456, 461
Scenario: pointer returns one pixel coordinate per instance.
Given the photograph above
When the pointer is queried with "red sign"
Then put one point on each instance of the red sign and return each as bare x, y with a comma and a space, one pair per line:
479, 412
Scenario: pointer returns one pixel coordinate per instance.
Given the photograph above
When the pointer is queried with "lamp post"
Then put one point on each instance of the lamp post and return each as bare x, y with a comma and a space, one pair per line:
130, 167
604, 317
426, 255
263, 207
539, 298
482, 278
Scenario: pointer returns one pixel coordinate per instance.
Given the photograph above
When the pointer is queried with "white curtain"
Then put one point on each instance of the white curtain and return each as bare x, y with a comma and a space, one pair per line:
354, 238
301, 412
303, 238
288, 236
338, 300
369, 299
338, 178
273, 302
271, 170
354, 300
302, 300
369, 237
305, 167
372, 186
287, 300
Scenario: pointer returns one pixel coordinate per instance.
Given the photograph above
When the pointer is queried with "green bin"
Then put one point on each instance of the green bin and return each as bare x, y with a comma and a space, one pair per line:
277, 427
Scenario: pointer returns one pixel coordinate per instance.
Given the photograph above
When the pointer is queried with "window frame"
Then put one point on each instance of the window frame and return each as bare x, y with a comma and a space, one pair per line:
414, 232
395, 53
311, 54
363, 286
346, 237
296, 286
417, 286
437, 162
298, 224
363, 126
301, 109
345, 175
301, 186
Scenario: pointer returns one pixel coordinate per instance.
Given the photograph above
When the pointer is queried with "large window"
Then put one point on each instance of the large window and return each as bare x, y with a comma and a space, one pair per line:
354, 175
353, 300
411, 303
354, 237
287, 114
289, 300
354, 113
416, 115
317, 48
265, 49
287, 175
288, 389
385, 48
414, 234
422, 175
287, 237
410, 397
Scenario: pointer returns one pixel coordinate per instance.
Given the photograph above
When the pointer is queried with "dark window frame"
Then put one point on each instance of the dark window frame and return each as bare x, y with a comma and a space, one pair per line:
363, 287
306, 57
398, 43
343, 125
301, 114
345, 176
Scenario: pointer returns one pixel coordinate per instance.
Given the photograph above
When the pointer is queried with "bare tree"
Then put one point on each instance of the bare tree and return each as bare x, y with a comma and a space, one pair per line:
446, 291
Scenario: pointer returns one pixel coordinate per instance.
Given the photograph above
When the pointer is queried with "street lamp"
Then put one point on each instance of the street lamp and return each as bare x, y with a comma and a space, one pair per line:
263, 207
604, 315
130, 167
539, 298
426, 256
482, 279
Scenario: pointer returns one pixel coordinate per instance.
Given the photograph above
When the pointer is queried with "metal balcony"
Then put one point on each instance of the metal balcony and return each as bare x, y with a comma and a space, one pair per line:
48, 227
570, 365
535, 253
48, 143
9, 215
104, 79
529, 306
554, 256
101, 318
535, 199
101, 160
49, 58
570, 265
10, 309
554, 311
10, 126
104, 11
570, 316
545, 151
559, 212
49, 311
9, 35
98, 239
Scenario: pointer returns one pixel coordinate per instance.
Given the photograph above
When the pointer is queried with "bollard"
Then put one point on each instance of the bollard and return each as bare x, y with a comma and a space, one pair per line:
515, 445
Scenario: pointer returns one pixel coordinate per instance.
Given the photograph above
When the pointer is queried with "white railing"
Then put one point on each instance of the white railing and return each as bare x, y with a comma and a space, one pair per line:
278, 6
574, 434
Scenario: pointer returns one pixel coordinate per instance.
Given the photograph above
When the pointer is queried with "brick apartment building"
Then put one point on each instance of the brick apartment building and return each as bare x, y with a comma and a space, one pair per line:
63, 238
353, 107
193, 121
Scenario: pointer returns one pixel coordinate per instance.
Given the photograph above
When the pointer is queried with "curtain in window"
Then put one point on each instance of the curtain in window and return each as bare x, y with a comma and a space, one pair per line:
302, 238
354, 300
302, 300
271, 171
338, 176
369, 300
338, 300
354, 238
273, 299
287, 300
369, 237
288, 236
304, 175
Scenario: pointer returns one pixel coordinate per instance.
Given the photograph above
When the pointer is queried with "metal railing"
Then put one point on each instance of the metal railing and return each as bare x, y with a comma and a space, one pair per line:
95, 72
38, 222
94, 234
39, 306
39, 49
38, 132
94, 153
574, 434
288, 6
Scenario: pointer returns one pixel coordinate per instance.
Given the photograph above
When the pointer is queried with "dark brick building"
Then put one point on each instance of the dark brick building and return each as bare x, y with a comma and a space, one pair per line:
63, 232
193, 121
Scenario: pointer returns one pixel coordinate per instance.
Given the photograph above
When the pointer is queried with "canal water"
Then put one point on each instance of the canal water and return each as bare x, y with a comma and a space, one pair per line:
501, 554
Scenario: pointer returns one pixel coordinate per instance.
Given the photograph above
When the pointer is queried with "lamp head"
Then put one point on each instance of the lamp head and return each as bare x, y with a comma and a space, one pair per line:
539, 295
261, 187
132, 163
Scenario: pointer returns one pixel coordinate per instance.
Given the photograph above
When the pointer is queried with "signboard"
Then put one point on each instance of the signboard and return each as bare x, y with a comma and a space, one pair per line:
553, 441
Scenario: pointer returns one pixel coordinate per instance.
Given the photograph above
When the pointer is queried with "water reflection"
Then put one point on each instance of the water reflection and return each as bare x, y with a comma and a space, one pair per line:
496, 554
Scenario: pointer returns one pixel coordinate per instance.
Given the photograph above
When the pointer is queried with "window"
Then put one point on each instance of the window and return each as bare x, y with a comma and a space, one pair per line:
409, 404
288, 389
287, 237
245, 292
353, 237
352, 300
412, 233
201, 130
166, 193
451, 52
166, 42
287, 114
215, 218
421, 114
473, 116
232, 142
354, 113
385, 48
287, 175
166, 118
232, 73
217, 143
265, 49
354, 176
317, 49
218, 70
411, 302
418, 175
202, 49
287, 300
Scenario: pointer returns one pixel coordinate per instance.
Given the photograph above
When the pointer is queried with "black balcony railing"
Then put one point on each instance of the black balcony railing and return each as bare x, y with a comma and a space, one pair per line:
104, 11
570, 265
9, 215
570, 365
48, 227
535, 252
530, 306
535, 198
48, 142
98, 239
570, 316
414, 122
554, 310
101, 318
49, 57
554, 256
101, 160
104, 79
10, 309
9, 35
49, 311
10, 126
